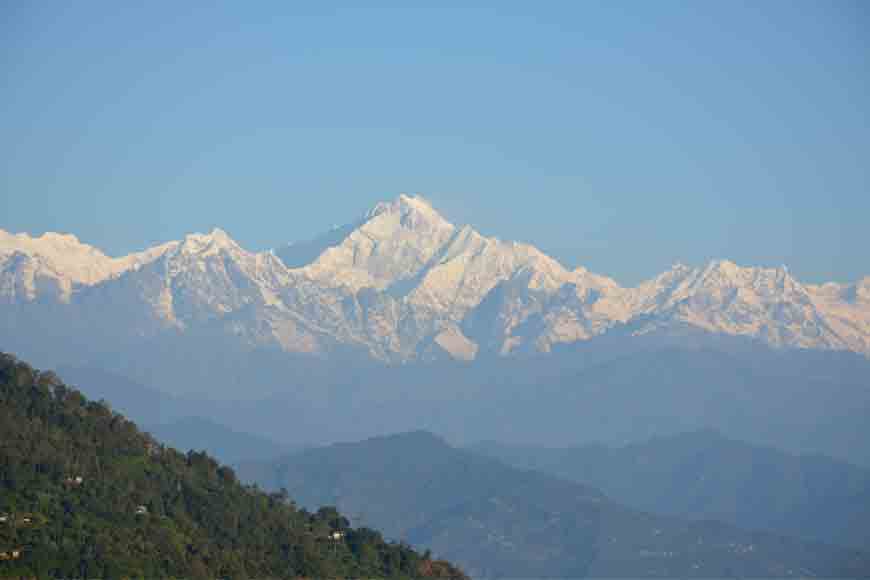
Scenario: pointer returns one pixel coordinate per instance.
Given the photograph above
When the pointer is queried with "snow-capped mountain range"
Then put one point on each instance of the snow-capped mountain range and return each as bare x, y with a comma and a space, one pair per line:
404, 284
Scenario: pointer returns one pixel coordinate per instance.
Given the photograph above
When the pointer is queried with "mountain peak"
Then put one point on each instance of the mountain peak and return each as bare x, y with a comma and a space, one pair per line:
60, 238
418, 444
718, 272
217, 233
394, 241
216, 240
44, 243
723, 266
60, 257
414, 199
406, 204
433, 288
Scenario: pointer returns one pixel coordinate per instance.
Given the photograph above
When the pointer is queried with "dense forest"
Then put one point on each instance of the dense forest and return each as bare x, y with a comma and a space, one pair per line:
84, 493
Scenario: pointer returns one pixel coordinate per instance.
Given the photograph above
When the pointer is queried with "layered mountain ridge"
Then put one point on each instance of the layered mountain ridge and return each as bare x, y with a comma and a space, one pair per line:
404, 284
500, 521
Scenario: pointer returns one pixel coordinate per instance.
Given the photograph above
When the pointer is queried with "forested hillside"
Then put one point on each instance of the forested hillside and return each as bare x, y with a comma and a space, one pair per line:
84, 493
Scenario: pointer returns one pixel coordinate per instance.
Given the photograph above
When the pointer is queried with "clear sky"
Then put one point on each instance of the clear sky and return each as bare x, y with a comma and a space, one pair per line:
623, 136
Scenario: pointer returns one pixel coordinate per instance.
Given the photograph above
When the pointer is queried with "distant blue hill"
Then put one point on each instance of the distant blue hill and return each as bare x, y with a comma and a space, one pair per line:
703, 475
500, 521
228, 445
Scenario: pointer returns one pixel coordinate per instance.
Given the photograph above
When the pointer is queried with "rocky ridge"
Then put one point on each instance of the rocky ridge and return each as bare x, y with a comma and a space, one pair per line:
403, 283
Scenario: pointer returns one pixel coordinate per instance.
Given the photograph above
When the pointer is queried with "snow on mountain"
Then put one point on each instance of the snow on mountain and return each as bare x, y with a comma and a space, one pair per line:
53, 265
438, 273
846, 307
393, 243
762, 303
209, 285
403, 283
200, 281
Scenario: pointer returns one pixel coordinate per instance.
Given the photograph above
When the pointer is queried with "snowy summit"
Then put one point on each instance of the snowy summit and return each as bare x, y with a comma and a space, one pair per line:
403, 283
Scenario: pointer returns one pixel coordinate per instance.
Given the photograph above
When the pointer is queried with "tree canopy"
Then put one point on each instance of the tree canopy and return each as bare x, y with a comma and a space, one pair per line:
84, 493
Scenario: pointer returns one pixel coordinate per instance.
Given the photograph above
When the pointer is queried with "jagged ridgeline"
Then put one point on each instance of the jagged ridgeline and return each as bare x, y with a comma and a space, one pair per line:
85, 494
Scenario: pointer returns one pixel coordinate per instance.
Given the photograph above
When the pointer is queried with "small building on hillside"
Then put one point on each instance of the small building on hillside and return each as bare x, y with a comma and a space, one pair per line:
12, 554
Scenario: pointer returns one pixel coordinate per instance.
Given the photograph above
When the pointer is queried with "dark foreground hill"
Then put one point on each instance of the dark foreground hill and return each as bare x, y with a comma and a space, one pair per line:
85, 494
704, 475
496, 520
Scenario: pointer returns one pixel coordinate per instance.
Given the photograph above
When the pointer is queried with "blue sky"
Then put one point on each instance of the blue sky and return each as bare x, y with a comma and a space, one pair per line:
620, 136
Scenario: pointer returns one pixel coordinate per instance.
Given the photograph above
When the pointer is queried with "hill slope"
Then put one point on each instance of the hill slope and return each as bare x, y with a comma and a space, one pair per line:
83, 493
201, 434
500, 521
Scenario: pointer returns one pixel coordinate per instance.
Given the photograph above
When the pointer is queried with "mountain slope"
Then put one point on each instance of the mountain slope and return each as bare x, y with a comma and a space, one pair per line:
84, 494
763, 303
400, 284
53, 265
436, 283
142, 405
431, 274
227, 445
500, 521
703, 475
846, 308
